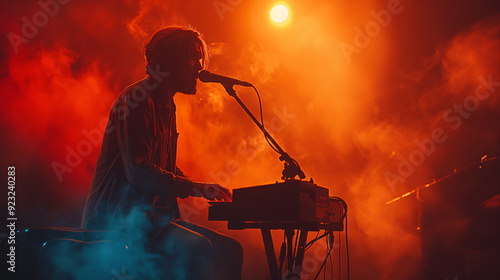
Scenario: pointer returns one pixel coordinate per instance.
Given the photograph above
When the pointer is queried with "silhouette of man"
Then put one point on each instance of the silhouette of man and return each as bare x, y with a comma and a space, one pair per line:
136, 182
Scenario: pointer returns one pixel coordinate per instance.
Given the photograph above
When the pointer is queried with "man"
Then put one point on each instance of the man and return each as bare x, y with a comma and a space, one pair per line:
136, 182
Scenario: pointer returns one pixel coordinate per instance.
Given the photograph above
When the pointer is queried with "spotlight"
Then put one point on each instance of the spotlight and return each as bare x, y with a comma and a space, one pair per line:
279, 13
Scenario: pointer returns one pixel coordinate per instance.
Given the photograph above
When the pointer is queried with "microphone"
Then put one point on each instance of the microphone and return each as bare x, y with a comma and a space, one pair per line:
209, 77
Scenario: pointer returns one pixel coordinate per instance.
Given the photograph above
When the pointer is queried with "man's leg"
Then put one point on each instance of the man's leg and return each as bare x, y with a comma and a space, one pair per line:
228, 253
183, 254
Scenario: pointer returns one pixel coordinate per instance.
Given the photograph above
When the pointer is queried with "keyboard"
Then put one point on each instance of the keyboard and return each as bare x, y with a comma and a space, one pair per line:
294, 204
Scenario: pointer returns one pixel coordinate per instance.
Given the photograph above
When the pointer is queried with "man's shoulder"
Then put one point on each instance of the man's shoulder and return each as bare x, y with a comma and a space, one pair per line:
136, 96
136, 93
138, 90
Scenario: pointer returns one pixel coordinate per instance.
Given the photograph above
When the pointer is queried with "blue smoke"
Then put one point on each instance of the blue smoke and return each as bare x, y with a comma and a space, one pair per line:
115, 255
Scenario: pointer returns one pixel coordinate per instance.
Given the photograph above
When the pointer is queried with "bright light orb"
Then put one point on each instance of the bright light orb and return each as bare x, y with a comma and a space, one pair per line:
279, 13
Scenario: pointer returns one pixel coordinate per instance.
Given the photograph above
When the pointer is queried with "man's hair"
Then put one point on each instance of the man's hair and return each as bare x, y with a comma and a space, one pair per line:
173, 45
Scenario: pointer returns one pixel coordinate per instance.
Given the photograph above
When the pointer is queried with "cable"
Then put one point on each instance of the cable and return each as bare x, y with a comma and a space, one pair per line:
290, 163
260, 106
347, 247
326, 258
340, 255
310, 243
324, 270
296, 245
317, 234
341, 201
331, 265
346, 240
262, 120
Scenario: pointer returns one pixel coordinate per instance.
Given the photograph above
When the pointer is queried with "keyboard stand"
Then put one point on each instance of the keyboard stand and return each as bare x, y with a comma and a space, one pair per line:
294, 261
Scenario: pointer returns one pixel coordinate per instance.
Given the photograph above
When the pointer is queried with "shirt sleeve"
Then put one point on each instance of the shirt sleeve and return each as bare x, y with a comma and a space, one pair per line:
134, 134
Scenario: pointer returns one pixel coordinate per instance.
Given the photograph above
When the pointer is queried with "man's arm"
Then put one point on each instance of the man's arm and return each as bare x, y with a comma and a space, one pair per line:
207, 190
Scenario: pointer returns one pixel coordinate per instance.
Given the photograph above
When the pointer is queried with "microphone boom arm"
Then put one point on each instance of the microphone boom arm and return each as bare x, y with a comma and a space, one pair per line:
292, 168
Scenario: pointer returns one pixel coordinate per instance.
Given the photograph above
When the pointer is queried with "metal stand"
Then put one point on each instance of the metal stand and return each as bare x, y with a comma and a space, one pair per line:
292, 168
294, 261
290, 171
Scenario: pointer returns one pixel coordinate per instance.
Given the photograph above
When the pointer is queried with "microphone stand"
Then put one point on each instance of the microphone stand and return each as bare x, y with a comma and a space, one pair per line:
291, 168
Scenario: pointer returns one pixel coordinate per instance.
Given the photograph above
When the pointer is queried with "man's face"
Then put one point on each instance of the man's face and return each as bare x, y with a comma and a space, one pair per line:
186, 77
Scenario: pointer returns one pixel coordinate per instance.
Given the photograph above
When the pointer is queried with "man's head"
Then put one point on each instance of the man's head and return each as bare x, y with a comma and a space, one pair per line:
181, 52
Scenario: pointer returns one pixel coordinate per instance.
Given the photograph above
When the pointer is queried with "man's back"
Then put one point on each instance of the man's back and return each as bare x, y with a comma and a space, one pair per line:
140, 127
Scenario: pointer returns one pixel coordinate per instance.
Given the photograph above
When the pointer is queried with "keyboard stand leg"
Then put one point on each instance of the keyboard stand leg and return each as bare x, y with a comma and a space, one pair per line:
300, 253
271, 255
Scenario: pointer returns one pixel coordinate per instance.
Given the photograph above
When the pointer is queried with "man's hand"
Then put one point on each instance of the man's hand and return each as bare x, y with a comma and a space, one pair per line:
212, 192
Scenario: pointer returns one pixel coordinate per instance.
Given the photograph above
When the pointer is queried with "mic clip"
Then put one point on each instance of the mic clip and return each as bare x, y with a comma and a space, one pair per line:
229, 89
291, 168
